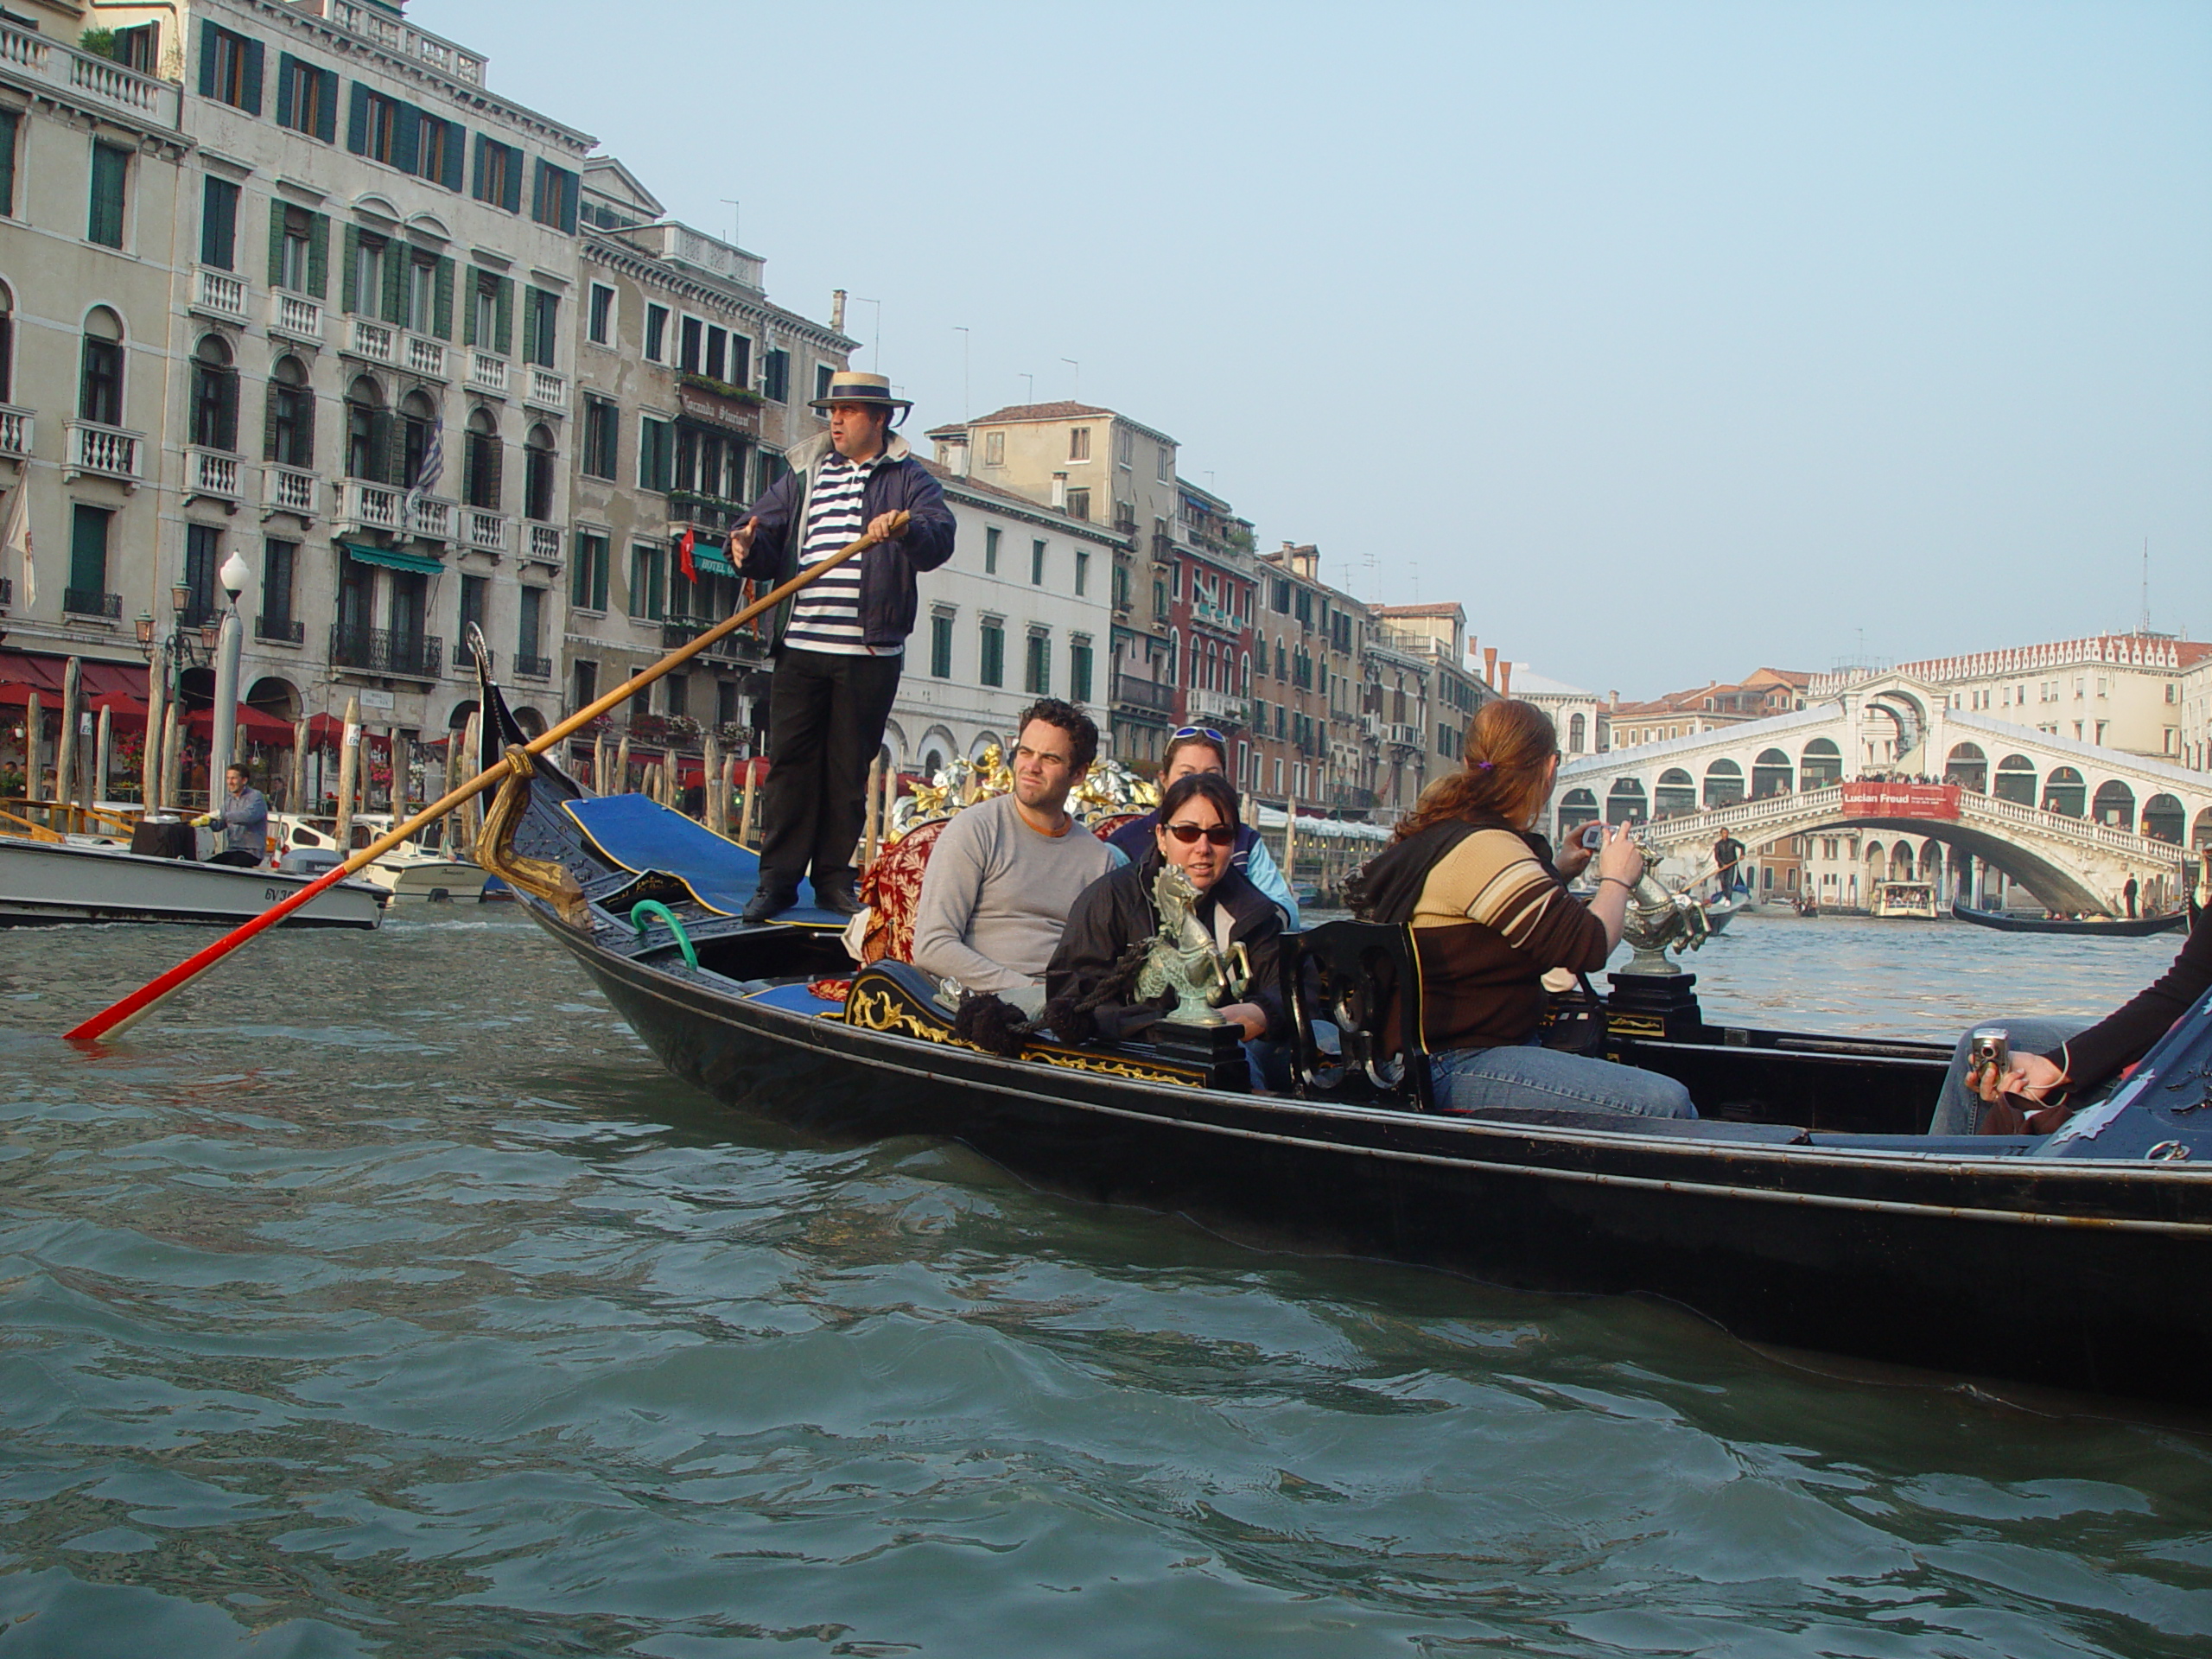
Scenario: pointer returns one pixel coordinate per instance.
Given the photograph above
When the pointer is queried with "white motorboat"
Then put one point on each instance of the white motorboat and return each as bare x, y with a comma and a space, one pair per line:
51, 881
410, 871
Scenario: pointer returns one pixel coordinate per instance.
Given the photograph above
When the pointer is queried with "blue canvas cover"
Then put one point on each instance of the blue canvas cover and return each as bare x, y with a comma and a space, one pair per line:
641, 835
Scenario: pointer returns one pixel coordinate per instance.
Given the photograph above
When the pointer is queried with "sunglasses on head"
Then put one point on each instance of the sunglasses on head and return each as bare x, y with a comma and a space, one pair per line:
1219, 835
1182, 732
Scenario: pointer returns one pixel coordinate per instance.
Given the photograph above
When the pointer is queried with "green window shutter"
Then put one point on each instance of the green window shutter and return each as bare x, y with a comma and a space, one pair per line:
468, 310
349, 278
456, 153
318, 253
530, 326
504, 318
395, 449
580, 575
395, 281
441, 321
268, 421
206, 59
476, 178
570, 186
357, 121
252, 104
325, 112
406, 136
88, 551
599, 576
513, 203
275, 240
289, 70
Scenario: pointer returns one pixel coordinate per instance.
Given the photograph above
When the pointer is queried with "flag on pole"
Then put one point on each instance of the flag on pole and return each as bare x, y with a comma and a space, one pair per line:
432, 469
15, 535
683, 556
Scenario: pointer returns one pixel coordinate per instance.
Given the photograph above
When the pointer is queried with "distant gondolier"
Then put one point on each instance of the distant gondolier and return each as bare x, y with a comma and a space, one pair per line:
1727, 860
840, 643
2128, 894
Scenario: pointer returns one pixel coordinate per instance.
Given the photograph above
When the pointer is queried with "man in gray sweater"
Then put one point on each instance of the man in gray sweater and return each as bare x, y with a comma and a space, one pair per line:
1005, 874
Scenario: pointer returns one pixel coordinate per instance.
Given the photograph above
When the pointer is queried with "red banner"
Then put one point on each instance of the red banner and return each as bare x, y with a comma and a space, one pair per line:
1874, 800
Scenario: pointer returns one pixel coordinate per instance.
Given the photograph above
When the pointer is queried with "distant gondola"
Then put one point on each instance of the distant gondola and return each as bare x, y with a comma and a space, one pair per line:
1806, 1207
2125, 927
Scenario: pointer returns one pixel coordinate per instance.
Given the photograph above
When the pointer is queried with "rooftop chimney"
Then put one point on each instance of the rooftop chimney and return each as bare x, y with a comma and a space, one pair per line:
837, 311
1505, 679
1060, 491
1489, 664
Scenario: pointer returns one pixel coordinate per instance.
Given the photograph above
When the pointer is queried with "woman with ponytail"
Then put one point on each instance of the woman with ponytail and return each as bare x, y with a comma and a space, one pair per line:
1492, 916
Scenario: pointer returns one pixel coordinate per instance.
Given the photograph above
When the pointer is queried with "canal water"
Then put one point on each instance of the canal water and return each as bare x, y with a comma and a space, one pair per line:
382, 1296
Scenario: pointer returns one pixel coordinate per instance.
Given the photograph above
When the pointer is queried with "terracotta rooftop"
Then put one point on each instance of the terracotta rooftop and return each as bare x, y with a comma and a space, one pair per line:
1039, 412
1448, 608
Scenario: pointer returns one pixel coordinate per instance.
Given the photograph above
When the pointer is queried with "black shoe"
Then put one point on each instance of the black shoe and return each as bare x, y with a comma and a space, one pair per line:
839, 898
768, 902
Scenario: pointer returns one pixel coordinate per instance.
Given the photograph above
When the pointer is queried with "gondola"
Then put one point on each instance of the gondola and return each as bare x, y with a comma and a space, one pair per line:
1805, 1209
2124, 927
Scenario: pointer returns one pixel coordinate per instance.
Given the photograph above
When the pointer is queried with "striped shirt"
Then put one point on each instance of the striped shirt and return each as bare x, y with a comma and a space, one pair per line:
826, 616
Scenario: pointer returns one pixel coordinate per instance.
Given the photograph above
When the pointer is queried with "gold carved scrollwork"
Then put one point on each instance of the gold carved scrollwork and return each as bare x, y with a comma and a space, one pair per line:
883, 1010
541, 878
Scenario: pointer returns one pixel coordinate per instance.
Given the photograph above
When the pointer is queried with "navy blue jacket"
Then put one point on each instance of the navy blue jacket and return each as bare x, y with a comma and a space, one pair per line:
887, 600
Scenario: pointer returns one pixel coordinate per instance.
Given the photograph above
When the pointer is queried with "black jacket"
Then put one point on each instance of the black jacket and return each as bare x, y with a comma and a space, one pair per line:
889, 600
1116, 911
2124, 1037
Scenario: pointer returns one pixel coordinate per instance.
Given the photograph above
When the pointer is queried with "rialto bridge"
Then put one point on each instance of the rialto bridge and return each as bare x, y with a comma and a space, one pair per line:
2067, 820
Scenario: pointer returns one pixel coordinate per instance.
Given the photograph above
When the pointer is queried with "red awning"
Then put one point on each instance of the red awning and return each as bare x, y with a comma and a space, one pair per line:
260, 727
25, 670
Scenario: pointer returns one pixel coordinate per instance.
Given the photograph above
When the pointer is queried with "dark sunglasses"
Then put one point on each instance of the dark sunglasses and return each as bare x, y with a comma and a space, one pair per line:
1182, 732
1219, 834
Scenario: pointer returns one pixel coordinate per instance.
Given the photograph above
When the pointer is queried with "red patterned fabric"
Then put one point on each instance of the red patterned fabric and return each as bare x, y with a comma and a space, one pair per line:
1104, 827
892, 890
830, 990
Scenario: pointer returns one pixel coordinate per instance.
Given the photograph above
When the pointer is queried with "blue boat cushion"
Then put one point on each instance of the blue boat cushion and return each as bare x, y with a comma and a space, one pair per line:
796, 998
642, 835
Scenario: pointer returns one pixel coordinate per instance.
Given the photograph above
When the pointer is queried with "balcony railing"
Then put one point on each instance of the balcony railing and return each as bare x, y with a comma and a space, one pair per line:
380, 651
730, 648
533, 668
483, 532
426, 358
372, 340
90, 601
1144, 693
282, 630
547, 390
1213, 616
705, 512
431, 519
404, 38
1405, 737
294, 315
544, 545
286, 489
1218, 706
15, 430
363, 505
106, 451
98, 79
221, 292
212, 473
487, 372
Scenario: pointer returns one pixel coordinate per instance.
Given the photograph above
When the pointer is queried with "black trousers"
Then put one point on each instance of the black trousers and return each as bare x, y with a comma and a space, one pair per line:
826, 715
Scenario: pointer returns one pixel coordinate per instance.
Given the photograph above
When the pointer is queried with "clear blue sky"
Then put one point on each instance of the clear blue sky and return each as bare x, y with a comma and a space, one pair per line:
1668, 340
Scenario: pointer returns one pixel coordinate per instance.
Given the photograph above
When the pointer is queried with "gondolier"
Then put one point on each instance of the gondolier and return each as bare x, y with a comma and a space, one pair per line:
840, 644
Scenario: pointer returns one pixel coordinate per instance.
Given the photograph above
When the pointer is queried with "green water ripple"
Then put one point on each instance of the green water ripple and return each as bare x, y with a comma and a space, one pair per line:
421, 1314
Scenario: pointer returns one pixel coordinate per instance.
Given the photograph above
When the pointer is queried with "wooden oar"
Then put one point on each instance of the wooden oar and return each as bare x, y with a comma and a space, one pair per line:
134, 1008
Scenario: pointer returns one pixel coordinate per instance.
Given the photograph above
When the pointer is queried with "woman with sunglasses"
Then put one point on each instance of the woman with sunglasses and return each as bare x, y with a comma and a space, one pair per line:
1193, 749
1197, 831
1491, 919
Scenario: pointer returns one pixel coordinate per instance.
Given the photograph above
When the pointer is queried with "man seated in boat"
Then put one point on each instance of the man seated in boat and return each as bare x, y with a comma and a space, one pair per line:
1491, 917
1197, 831
243, 818
1196, 749
1006, 872
2058, 1066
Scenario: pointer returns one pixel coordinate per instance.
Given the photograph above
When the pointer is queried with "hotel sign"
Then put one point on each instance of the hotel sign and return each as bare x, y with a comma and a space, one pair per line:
700, 404
1891, 800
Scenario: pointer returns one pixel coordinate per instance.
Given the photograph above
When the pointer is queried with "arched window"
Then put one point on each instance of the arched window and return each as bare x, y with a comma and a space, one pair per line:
538, 475
1577, 733
1769, 775
2063, 792
214, 396
1820, 765
2164, 819
1625, 802
1676, 793
1244, 674
290, 439
1576, 807
1724, 783
1968, 767
368, 432
481, 478
419, 420
7, 345
99, 383
2016, 779
2115, 804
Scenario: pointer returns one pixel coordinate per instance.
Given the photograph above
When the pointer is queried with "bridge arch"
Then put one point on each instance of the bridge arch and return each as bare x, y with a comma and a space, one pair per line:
2164, 819
2114, 803
1770, 774
1968, 767
1576, 808
2200, 833
1675, 794
1820, 765
2016, 779
1625, 802
2064, 793
1724, 783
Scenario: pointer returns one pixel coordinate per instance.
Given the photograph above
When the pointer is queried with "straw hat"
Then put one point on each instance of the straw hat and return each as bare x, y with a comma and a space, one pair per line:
846, 386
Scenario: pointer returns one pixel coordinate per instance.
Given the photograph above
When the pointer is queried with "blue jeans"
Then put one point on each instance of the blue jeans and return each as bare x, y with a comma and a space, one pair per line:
1474, 1080
1958, 1111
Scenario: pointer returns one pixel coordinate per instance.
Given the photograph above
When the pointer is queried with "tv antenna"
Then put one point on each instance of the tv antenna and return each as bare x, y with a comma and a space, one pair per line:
2144, 626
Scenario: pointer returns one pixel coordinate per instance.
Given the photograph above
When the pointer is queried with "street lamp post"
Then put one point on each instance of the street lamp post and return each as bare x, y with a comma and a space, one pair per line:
230, 644
180, 650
